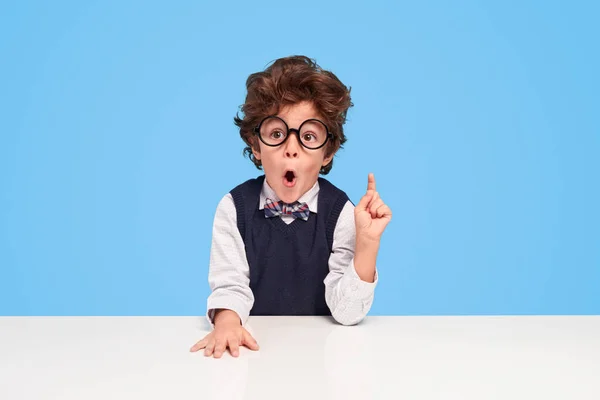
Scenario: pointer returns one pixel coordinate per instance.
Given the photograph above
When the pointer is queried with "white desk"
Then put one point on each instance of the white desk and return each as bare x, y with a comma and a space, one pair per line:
89, 358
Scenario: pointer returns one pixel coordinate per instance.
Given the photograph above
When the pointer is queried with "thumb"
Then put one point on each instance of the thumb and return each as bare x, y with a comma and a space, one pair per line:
249, 341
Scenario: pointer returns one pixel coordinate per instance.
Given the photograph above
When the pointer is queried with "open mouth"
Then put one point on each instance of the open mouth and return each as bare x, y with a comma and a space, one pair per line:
289, 179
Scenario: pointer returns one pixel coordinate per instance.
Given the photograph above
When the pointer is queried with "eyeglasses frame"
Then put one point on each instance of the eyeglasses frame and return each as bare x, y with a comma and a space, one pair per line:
329, 136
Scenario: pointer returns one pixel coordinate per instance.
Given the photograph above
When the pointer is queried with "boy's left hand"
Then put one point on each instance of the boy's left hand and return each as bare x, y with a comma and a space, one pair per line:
371, 215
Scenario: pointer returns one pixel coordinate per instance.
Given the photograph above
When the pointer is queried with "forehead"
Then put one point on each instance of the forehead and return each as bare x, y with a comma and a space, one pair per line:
295, 114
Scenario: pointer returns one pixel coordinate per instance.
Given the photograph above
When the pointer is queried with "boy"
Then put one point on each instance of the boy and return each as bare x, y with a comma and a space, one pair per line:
290, 242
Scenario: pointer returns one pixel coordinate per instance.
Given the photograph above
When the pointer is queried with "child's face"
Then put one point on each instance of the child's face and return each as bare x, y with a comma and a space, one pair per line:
292, 156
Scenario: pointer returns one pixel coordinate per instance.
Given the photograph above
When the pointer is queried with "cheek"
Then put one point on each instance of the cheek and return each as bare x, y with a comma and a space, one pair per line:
267, 156
316, 162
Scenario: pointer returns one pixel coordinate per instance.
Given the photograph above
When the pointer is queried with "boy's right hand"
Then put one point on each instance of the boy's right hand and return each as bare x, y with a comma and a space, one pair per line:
228, 333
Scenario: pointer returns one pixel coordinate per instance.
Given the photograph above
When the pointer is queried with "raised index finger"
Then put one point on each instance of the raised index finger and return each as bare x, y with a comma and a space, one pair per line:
371, 184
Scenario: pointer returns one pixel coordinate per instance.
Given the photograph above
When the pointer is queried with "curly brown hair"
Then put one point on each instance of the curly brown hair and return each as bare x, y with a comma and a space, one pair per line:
288, 81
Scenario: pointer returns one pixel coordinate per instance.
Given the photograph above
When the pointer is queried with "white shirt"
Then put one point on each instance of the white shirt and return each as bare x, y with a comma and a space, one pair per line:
348, 297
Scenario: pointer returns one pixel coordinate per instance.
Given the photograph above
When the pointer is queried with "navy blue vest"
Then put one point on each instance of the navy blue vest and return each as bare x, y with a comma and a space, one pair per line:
288, 263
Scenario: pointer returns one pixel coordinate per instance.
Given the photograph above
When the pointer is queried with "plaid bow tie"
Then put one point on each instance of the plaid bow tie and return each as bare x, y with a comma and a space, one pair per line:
295, 209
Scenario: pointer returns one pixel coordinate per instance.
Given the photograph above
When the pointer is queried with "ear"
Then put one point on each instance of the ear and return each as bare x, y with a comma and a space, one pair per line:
255, 150
327, 160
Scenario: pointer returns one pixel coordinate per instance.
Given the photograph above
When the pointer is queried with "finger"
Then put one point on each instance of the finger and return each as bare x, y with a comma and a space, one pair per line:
234, 347
375, 206
373, 200
371, 182
249, 341
199, 345
365, 200
384, 211
220, 346
210, 347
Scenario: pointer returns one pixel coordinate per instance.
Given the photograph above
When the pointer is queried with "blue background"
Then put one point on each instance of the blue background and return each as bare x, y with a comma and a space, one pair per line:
480, 123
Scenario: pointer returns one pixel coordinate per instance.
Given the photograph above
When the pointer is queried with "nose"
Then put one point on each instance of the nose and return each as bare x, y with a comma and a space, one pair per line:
292, 147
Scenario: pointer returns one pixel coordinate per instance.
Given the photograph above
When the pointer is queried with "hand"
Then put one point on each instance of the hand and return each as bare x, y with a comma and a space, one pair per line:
228, 333
371, 215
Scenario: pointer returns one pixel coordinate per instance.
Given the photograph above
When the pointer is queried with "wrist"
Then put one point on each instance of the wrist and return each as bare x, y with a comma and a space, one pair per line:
225, 316
367, 243
365, 259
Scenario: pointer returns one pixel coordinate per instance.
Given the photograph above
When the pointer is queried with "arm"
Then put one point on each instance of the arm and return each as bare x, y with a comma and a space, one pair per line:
350, 284
231, 299
349, 298
371, 217
229, 273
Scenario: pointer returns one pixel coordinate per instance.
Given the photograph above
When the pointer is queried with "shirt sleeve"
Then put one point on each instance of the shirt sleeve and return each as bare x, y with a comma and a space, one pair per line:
229, 272
348, 297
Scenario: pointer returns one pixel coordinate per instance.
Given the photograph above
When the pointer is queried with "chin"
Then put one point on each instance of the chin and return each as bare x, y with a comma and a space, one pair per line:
288, 196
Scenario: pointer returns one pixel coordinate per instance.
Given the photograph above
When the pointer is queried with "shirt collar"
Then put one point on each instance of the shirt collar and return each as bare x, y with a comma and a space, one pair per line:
310, 197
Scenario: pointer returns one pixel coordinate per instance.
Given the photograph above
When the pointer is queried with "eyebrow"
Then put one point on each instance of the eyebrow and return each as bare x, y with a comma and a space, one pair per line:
317, 118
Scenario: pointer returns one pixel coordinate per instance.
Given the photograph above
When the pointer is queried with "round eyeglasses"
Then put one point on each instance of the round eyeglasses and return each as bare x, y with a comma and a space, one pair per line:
312, 133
